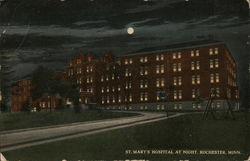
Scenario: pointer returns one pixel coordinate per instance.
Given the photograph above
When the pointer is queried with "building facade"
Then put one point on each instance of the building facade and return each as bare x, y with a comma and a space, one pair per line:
175, 77
21, 98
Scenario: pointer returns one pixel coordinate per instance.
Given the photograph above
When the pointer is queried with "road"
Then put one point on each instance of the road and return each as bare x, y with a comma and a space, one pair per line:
12, 140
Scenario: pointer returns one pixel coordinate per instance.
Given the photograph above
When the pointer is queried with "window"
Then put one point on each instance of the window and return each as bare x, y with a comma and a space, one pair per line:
216, 63
79, 70
211, 52
192, 53
197, 53
144, 59
218, 105
143, 96
192, 66
216, 51
107, 88
108, 101
180, 94
198, 79
174, 55
126, 61
103, 100
175, 94
157, 69
119, 88
102, 78
78, 61
157, 58
162, 57
179, 80
174, 67
113, 89
130, 97
179, 67
195, 93
193, 79
211, 63
102, 90
211, 78
91, 68
119, 99
144, 70
113, 76
107, 77
160, 82
162, 68
179, 55
217, 92
197, 65
130, 61
144, 84
217, 78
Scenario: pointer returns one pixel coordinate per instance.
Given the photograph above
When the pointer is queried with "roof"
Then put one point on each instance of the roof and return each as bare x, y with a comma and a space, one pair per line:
175, 46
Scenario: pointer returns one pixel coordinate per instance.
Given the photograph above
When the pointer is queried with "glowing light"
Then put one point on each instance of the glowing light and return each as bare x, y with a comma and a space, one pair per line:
130, 30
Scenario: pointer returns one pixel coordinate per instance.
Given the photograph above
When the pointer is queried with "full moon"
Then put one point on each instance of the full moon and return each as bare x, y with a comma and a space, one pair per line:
130, 30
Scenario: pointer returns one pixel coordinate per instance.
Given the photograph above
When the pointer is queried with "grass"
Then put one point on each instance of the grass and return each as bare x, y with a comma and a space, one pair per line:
10, 121
181, 133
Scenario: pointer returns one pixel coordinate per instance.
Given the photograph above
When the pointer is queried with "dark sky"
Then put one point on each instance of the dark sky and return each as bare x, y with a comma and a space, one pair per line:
50, 32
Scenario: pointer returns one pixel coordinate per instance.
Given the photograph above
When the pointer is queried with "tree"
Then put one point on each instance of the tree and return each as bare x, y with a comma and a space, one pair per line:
47, 82
5, 75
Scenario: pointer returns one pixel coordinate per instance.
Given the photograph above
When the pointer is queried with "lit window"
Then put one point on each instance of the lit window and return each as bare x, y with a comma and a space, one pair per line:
157, 69
211, 52
162, 82
180, 94
162, 68
102, 78
198, 79
108, 99
179, 67
197, 65
157, 58
91, 68
119, 99
179, 55
130, 61
192, 66
141, 60
146, 71
216, 63
217, 77
179, 81
141, 84
197, 53
113, 89
102, 90
211, 63
157, 82
113, 76
103, 100
211, 78
113, 99
162, 57
126, 61
216, 51
174, 55
145, 59
119, 88
130, 97
193, 79
192, 53
107, 89
174, 68
175, 95
107, 77
174, 81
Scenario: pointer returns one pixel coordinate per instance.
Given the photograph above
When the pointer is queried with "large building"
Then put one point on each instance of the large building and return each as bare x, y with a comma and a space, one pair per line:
174, 77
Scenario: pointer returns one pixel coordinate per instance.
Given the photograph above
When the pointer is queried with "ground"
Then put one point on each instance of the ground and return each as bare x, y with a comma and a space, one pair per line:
187, 132
11, 121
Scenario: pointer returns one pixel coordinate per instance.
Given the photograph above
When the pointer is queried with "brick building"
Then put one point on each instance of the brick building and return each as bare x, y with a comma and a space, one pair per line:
21, 98
174, 76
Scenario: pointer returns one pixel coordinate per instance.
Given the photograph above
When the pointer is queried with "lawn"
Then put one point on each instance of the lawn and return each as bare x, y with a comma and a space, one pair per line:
187, 132
10, 121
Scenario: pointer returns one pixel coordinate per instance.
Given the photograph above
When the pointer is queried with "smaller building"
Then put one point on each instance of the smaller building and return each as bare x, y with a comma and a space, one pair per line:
22, 100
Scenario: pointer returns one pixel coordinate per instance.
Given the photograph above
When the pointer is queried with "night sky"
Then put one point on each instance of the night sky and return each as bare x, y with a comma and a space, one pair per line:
50, 32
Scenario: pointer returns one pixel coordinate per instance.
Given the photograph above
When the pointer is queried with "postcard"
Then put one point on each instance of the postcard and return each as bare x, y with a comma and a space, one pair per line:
124, 80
